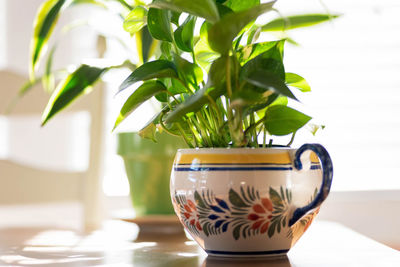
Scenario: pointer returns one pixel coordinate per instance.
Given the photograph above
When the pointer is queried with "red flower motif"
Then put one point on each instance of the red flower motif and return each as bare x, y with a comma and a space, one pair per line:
264, 228
190, 214
198, 226
253, 216
261, 215
187, 208
191, 204
267, 204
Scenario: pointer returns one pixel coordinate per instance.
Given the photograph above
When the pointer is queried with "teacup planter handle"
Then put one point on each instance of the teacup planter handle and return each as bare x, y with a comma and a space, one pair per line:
327, 174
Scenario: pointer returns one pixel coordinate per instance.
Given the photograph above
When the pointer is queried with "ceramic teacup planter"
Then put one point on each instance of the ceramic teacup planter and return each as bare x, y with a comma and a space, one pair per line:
249, 202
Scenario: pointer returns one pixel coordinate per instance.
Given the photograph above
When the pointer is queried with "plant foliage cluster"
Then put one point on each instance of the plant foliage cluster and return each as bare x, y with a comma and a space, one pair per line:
219, 86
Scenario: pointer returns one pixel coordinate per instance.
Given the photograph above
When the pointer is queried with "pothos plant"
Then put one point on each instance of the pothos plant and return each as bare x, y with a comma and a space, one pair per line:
219, 86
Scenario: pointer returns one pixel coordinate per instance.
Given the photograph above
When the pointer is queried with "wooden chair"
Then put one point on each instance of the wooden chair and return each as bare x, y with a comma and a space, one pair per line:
24, 183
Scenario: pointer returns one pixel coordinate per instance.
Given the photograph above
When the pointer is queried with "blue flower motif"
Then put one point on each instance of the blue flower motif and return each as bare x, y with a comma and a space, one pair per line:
218, 223
213, 217
222, 203
216, 209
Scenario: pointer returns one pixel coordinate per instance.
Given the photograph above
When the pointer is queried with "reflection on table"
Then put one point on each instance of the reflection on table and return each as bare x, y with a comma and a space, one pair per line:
121, 244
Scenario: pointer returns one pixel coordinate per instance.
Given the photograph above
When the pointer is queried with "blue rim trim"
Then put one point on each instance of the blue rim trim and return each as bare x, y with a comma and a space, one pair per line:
247, 253
197, 169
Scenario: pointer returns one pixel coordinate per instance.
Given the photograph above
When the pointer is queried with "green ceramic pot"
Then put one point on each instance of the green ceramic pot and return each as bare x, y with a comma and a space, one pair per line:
148, 167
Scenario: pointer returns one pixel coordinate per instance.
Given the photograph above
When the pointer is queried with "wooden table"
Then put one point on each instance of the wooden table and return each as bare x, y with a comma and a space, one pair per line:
324, 244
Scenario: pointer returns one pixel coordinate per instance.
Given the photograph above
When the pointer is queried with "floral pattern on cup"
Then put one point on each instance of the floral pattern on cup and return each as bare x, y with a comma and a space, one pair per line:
245, 212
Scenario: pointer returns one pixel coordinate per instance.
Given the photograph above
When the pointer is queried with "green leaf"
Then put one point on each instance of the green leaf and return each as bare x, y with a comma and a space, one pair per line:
184, 34
271, 229
205, 229
205, 27
188, 72
217, 72
292, 22
214, 89
223, 10
282, 120
145, 44
77, 83
151, 125
249, 96
222, 33
254, 34
162, 97
275, 197
158, 22
236, 232
236, 200
260, 108
194, 103
204, 59
239, 5
46, 19
138, 97
175, 17
135, 20
269, 81
201, 8
150, 70
166, 50
251, 51
199, 200
281, 100
177, 88
270, 59
297, 81
48, 79
149, 132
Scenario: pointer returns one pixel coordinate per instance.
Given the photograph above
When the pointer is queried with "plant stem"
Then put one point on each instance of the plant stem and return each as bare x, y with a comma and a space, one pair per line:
253, 126
228, 77
184, 135
193, 129
184, 85
165, 129
254, 131
199, 128
291, 139
270, 143
206, 127
264, 136
194, 57
214, 108
172, 95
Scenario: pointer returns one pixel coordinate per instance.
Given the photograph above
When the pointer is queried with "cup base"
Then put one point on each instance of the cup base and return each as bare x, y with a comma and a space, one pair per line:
244, 254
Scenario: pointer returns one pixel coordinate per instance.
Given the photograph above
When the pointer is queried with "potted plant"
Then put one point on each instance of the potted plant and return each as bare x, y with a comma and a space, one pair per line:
225, 94
148, 168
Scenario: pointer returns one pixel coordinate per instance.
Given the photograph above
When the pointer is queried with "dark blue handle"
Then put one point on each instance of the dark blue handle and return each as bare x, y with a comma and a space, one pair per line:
327, 173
